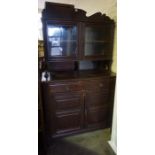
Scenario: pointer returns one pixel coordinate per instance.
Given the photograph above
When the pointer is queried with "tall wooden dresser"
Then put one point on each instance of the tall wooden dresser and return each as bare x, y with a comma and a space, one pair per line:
78, 85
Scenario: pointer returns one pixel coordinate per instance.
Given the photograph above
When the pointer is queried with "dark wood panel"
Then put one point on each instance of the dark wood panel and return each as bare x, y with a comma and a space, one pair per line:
71, 111
65, 87
68, 122
97, 84
96, 108
97, 117
68, 12
96, 99
68, 102
111, 99
64, 112
61, 66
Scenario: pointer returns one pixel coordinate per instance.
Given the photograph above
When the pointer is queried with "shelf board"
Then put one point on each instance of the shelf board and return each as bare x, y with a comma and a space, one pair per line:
97, 41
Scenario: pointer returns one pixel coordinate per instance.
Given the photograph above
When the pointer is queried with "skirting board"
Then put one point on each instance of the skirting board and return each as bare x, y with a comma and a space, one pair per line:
113, 146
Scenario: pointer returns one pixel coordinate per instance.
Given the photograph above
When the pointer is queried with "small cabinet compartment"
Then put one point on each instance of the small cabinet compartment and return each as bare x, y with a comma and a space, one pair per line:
97, 84
62, 40
97, 41
97, 118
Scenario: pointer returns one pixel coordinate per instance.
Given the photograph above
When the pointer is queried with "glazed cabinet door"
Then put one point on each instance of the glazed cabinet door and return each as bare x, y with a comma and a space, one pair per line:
97, 43
62, 40
67, 112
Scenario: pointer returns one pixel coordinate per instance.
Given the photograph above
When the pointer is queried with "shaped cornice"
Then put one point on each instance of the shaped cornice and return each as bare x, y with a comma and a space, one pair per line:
56, 11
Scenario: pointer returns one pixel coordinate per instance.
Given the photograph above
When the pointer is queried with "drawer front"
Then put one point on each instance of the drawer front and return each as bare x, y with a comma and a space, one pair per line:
65, 87
67, 123
64, 112
96, 99
99, 84
65, 102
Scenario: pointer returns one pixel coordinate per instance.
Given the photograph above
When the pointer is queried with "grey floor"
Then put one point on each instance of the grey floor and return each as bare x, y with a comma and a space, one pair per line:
91, 143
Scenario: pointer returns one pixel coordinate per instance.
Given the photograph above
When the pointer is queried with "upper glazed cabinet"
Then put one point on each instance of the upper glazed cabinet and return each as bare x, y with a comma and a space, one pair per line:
62, 40
97, 41
70, 35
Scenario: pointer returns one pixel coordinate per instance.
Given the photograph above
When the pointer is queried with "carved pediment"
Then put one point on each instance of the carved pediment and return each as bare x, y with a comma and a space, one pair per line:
69, 12
99, 17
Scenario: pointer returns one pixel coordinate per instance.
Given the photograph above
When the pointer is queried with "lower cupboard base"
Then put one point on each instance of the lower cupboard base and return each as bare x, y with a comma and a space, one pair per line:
51, 138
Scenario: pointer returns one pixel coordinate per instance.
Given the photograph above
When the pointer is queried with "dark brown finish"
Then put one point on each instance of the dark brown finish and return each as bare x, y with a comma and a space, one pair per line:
78, 52
98, 84
111, 98
65, 87
62, 66
73, 106
64, 109
69, 13
66, 15
41, 132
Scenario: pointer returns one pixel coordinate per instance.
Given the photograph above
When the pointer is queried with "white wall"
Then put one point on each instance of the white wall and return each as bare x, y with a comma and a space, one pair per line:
113, 141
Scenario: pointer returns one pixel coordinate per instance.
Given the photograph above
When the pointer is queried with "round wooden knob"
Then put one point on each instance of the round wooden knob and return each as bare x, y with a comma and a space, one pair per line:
67, 88
101, 85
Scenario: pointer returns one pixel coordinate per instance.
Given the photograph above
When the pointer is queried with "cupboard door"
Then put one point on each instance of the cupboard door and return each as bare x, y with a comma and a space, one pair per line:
96, 109
62, 40
67, 112
97, 41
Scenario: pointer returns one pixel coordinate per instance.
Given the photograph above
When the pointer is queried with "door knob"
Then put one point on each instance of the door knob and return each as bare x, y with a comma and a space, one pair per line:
67, 88
101, 85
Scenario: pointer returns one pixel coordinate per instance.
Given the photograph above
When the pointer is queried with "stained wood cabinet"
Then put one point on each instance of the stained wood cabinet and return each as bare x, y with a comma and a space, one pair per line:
76, 106
78, 54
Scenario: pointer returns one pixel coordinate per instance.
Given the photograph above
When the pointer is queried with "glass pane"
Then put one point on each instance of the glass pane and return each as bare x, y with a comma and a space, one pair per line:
96, 39
62, 40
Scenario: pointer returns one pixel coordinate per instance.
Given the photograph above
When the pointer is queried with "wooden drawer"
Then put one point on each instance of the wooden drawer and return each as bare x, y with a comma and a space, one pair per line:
66, 102
65, 87
68, 122
96, 84
96, 99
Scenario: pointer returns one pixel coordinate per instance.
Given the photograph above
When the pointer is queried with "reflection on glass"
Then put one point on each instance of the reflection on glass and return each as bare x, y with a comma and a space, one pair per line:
62, 40
54, 31
94, 49
95, 40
